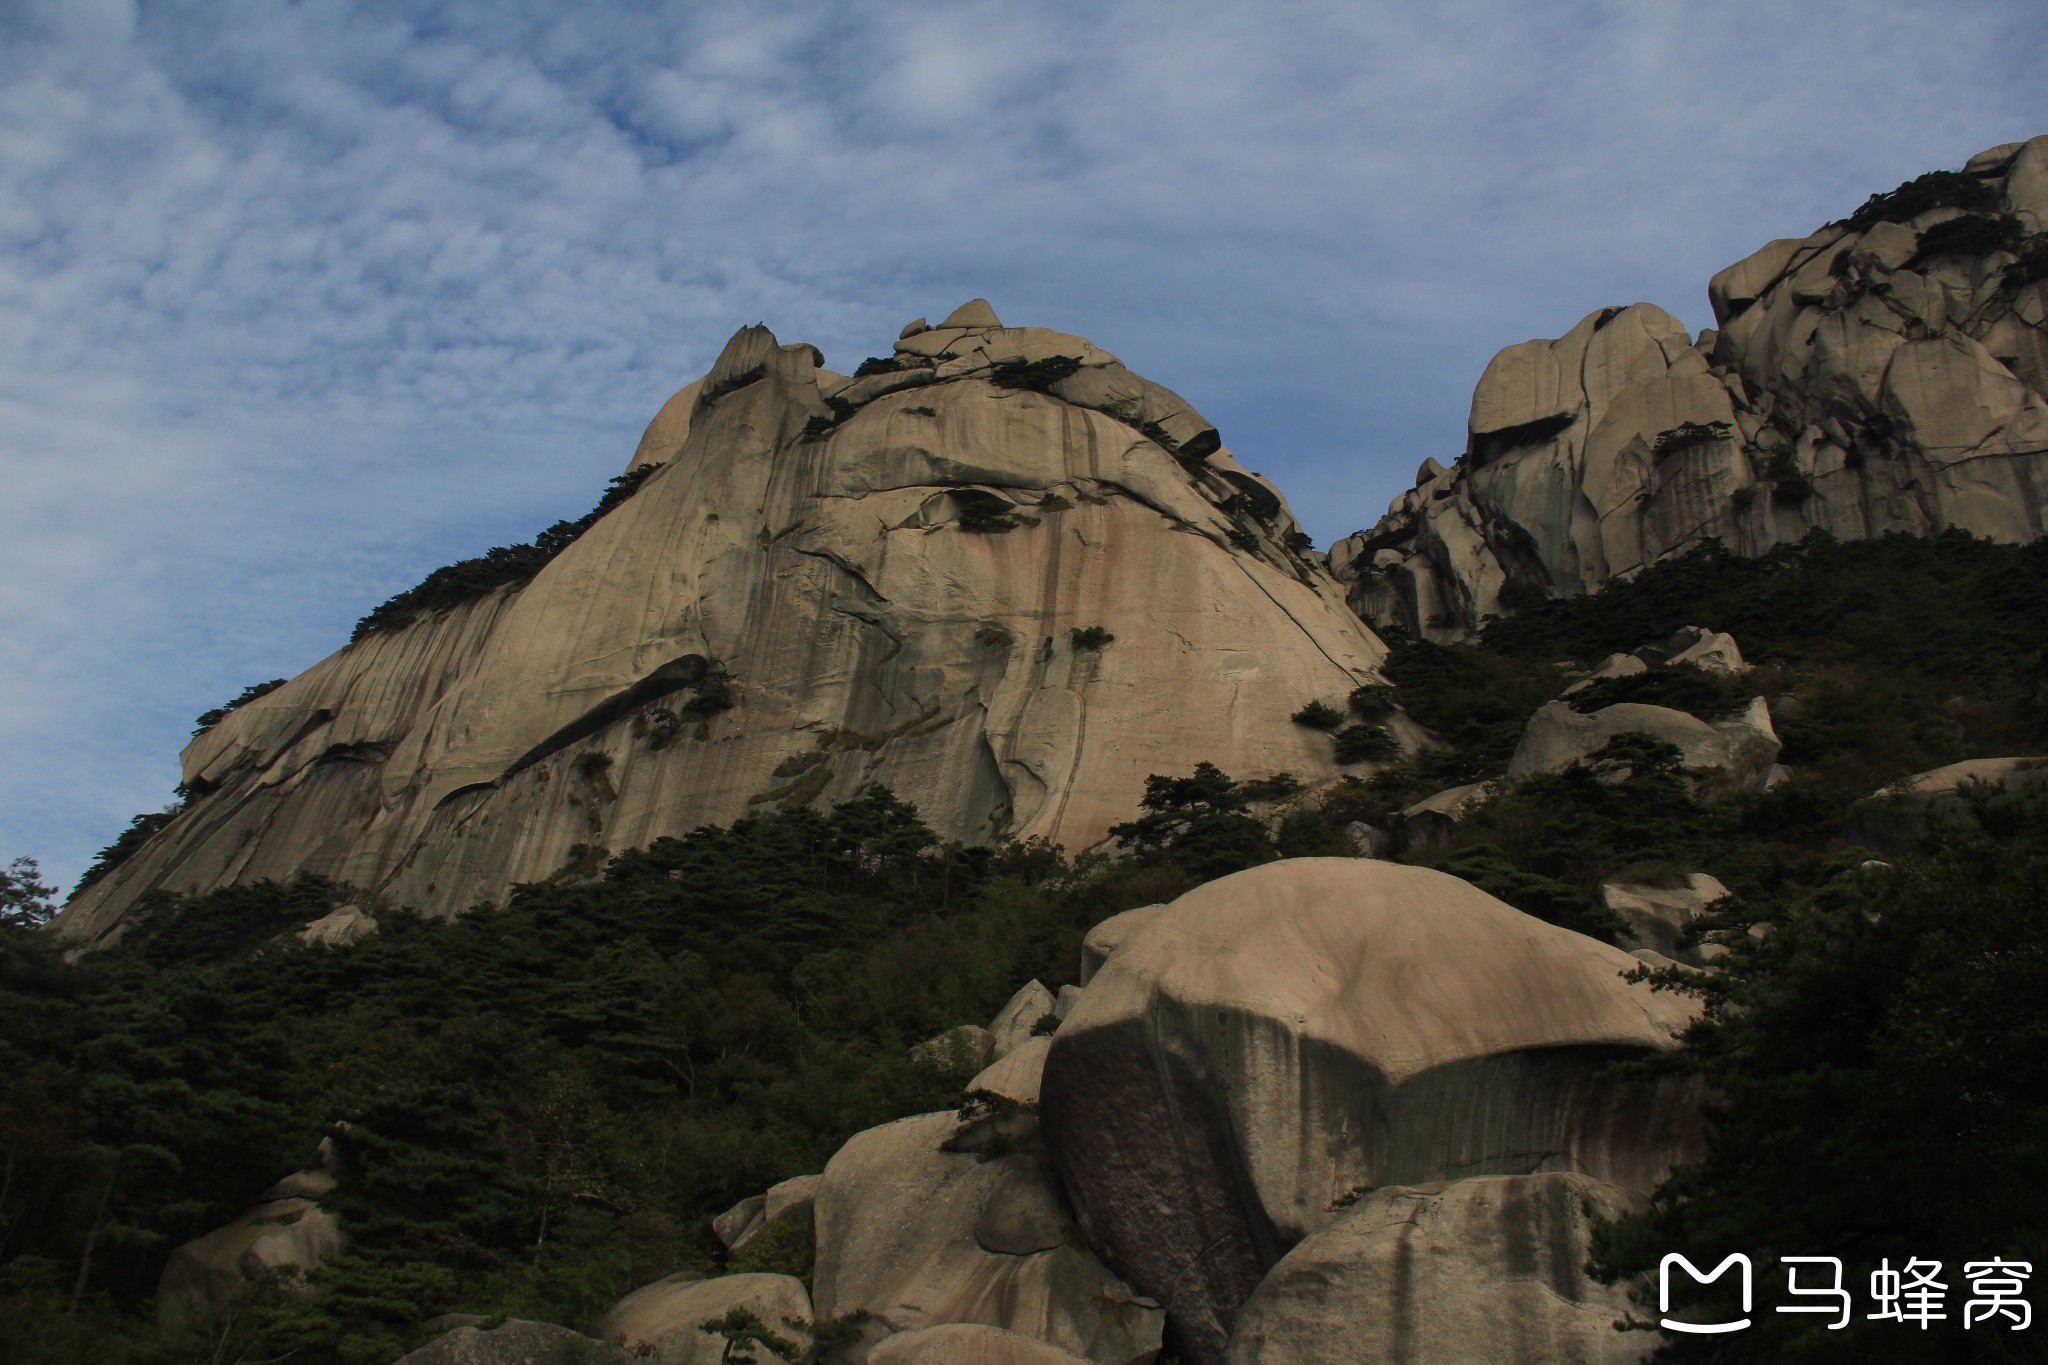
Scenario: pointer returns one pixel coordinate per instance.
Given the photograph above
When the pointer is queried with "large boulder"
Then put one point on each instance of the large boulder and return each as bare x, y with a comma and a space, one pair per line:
1725, 757
964, 1343
667, 1314
920, 1236
1017, 1076
292, 1235
516, 1342
1014, 1022
1285, 1035
1478, 1272
342, 925
1106, 937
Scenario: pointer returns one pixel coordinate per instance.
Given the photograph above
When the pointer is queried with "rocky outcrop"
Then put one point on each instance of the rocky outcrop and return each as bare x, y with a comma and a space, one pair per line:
660, 1321
889, 569
1281, 1037
1892, 820
1886, 373
342, 925
921, 1236
1725, 757
1481, 1272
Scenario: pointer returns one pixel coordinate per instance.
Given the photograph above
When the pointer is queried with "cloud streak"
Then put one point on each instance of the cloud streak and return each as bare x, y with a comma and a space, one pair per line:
301, 301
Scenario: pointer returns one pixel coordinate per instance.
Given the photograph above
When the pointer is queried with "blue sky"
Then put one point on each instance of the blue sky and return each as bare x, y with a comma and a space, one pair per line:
299, 301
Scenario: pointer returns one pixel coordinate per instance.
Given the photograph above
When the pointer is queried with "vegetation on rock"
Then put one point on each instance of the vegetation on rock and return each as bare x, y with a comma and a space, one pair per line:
498, 567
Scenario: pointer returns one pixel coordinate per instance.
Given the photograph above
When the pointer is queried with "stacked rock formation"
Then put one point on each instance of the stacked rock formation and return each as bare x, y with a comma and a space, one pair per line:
886, 572
1887, 373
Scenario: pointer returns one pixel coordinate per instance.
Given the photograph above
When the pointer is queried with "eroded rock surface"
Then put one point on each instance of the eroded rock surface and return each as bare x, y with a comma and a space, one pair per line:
516, 1342
1887, 377
1480, 1272
1282, 1036
920, 1236
888, 568
1727, 756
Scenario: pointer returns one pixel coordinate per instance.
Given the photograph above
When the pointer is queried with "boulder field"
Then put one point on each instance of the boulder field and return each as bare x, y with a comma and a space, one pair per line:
1886, 373
1324, 1109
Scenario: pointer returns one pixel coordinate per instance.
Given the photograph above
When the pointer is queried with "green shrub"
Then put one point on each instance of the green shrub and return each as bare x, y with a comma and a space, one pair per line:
1934, 190
1361, 743
1089, 637
709, 695
1318, 715
1687, 435
984, 516
1373, 701
1045, 1026
876, 364
209, 719
1243, 539
784, 1247
1033, 374
1974, 234
498, 567
922, 412
1274, 788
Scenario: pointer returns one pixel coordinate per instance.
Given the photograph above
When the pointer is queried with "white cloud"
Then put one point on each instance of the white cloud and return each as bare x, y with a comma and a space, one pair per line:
297, 302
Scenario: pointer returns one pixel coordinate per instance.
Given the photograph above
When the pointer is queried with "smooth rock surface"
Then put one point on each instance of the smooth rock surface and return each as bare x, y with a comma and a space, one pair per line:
516, 1342
962, 1343
666, 1315
1487, 1271
1893, 819
901, 1228
867, 637
1106, 937
1017, 1076
1283, 1035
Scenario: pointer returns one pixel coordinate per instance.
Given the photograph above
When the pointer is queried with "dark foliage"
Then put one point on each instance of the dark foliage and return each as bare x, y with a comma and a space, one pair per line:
1040, 375
1681, 687
1090, 637
1973, 234
544, 1104
209, 719
1687, 435
1198, 824
140, 831
1934, 190
1363, 743
877, 364
1318, 715
1886, 1035
498, 567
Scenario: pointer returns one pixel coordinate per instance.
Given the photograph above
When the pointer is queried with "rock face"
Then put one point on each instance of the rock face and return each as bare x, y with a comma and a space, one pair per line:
888, 568
920, 1237
1657, 916
1280, 1037
959, 1343
1481, 1272
1875, 376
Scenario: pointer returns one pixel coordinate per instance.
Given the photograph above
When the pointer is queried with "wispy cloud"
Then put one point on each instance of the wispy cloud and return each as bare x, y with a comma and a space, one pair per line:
297, 302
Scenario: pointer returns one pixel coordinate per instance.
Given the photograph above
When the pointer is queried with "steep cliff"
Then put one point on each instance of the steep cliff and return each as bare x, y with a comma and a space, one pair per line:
996, 571
1887, 373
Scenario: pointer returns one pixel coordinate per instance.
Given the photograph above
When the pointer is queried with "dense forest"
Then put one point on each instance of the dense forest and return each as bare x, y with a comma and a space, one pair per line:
538, 1106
